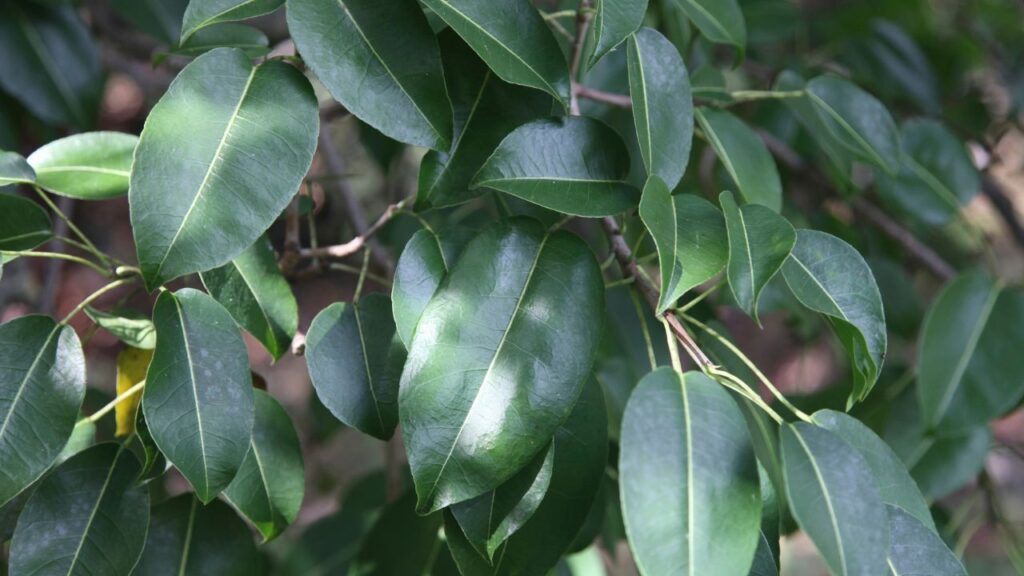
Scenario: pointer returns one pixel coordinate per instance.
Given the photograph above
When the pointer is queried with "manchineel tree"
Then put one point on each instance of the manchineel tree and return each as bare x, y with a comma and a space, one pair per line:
542, 316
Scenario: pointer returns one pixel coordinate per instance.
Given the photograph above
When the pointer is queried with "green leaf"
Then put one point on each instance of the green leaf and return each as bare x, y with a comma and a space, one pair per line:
381, 61
744, 156
971, 330
688, 477
162, 19
720, 21
498, 359
917, 549
198, 398
398, 522
689, 234
764, 559
486, 110
269, 485
250, 40
355, 362
614, 21
15, 170
760, 241
128, 326
90, 166
202, 13
662, 105
256, 294
251, 135
895, 485
42, 383
840, 159
575, 165
829, 276
512, 38
835, 500
23, 223
936, 176
764, 438
187, 538
50, 63
857, 121
87, 517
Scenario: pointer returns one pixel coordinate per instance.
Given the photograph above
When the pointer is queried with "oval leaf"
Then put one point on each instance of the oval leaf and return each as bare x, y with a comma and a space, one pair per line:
702, 487
857, 121
574, 165
14, 169
917, 549
202, 13
744, 156
498, 359
381, 61
23, 223
251, 136
614, 21
90, 166
198, 394
720, 21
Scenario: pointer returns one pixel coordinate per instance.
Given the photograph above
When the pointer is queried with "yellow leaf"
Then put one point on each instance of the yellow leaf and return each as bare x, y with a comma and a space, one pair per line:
132, 364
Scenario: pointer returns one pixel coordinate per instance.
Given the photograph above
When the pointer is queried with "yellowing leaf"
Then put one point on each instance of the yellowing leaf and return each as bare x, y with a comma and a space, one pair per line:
132, 364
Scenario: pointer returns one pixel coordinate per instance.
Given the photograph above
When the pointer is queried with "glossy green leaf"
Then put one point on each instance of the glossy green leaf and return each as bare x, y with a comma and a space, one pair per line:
355, 362
198, 398
14, 169
248, 39
251, 134
690, 236
203, 13
269, 486
857, 121
970, 332
573, 165
256, 294
90, 166
720, 21
512, 38
162, 19
917, 549
690, 498
662, 105
187, 538
42, 380
398, 522
50, 63
764, 438
835, 500
486, 109
829, 276
130, 327
381, 61
87, 517
760, 241
744, 156
936, 175
614, 21
498, 359
23, 223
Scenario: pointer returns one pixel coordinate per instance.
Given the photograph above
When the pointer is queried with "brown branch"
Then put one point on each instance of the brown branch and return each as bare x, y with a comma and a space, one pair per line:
356, 244
582, 26
617, 100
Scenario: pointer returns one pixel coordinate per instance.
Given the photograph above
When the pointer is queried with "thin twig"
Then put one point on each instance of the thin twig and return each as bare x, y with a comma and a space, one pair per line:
356, 244
96, 295
618, 100
58, 256
582, 26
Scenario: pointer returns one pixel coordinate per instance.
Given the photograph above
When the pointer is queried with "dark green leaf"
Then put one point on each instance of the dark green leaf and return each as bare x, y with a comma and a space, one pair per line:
690, 497
614, 21
917, 549
202, 13
744, 157
840, 159
720, 21
398, 522
90, 166
764, 438
857, 121
251, 136
498, 359
42, 383
355, 362
198, 398
23, 223
381, 61
662, 105
14, 169
162, 19
256, 294
574, 165
88, 517
250, 40
829, 276
130, 327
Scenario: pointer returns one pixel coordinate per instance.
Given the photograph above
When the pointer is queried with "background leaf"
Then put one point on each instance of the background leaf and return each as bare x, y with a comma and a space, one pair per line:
202, 13
14, 169
23, 223
250, 40
161, 20
613, 22
90, 166
720, 21
418, 535
917, 549
744, 157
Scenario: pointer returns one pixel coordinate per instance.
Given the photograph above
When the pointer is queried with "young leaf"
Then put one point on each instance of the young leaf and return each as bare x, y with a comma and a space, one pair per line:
744, 157
829, 276
512, 38
202, 13
23, 223
256, 294
87, 517
130, 327
498, 359
187, 538
486, 110
936, 175
42, 382
250, 40
720, 21
857, 121
689, 234
917, 549
399, 522
575, 165
835, 500
269, 485
355, 361
614, 21
381, 61
688, 477
198, 394
970, 332
662, 105
14, 169
759, 243
251, 137
162, 20
132, 364
89, 166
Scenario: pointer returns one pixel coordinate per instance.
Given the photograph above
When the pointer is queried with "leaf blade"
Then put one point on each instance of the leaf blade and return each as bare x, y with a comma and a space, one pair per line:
89, 166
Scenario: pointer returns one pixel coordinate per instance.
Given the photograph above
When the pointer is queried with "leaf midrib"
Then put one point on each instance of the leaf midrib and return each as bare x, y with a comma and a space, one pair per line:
81, 168
968, 353
39, 47
195, 393
28, 375
827, 497
849, 129
366, 366
92, 515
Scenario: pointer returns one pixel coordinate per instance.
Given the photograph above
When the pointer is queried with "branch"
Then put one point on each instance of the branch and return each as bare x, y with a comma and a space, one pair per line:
618, 100
1004, 206
356, 244
582, 26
